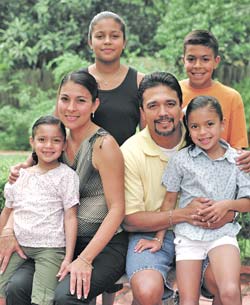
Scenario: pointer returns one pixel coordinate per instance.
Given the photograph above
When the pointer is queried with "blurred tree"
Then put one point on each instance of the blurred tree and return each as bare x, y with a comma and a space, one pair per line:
35, 32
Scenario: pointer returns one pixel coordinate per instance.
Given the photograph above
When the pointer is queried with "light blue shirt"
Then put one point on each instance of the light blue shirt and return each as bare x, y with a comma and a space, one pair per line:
192, 173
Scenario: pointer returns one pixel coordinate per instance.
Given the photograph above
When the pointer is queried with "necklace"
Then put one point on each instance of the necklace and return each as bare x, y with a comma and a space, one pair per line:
102, 77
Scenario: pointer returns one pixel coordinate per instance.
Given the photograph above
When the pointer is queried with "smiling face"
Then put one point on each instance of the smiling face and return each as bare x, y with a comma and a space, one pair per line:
48, 143
161, 110
200, 62
205, 128
75, 105
107, 40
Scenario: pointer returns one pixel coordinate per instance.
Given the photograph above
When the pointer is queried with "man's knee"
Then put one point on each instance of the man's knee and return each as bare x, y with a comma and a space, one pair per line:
147, 289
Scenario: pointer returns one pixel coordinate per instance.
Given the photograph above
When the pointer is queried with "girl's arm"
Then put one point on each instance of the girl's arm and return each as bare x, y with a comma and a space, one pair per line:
8, 242
5, 218
155, 244
168, 204
108, 160
70, 227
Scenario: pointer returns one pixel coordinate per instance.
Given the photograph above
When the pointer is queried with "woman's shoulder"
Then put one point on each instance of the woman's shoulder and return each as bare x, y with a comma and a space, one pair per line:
106, 150
105, 140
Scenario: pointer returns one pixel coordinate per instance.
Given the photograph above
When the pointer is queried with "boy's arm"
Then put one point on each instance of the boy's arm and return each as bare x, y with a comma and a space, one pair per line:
243, 160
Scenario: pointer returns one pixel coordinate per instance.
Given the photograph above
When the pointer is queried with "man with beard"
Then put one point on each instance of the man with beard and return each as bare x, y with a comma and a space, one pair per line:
146, 155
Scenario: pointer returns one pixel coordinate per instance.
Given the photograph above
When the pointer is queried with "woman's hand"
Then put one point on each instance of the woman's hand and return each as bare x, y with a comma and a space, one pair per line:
80, 275
243, 160
14, 170
8, 245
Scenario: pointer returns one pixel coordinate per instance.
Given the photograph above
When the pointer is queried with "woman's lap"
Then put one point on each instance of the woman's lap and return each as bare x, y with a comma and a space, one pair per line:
109, 266
19, 287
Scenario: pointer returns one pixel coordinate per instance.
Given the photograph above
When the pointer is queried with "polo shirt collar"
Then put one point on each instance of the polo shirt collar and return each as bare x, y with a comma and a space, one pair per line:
150, 148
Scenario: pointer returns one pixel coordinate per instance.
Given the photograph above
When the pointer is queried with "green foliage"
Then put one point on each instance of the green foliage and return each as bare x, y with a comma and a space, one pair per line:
66, 63
32, 33
6, 161
227, 20
244, 236
27, 103
243, 88
145, 64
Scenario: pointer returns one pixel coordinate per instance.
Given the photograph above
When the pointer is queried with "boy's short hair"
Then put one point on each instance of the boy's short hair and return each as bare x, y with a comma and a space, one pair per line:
202, 37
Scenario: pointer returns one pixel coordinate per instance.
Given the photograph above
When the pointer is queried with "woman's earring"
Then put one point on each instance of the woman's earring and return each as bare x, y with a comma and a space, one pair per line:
92, 115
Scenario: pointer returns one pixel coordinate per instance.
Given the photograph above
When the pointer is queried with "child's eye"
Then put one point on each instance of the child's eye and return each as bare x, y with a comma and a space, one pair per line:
40, 139
57, 140
99, 36
193, 126
210, 123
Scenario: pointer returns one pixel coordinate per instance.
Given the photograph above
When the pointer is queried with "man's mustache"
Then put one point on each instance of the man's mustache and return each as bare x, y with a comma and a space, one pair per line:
164, 118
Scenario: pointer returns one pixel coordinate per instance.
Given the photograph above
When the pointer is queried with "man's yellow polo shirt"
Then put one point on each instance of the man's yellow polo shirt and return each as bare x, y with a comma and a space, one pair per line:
144, 166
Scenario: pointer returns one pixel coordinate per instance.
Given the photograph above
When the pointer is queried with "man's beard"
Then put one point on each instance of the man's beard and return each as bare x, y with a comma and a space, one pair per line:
164, 133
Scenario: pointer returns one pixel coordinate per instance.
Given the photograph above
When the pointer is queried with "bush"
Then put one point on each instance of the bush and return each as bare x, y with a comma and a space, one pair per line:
6, 161
243, 88
66, 63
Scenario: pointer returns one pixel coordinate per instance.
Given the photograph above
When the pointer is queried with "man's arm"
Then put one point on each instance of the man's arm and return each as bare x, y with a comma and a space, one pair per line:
155, 221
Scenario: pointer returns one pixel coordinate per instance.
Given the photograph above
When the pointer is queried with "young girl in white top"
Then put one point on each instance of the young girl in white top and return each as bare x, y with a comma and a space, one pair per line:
206, 168
44, 201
